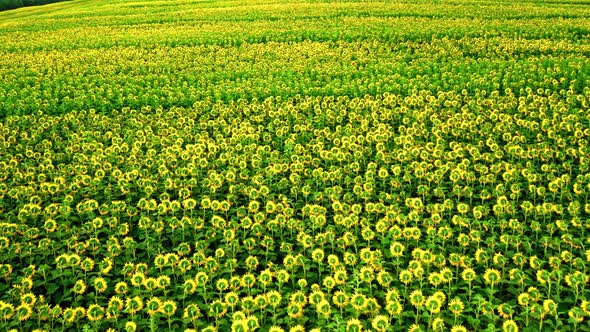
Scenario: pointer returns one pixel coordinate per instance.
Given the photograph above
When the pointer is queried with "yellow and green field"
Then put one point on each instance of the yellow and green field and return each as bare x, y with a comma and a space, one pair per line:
287, 165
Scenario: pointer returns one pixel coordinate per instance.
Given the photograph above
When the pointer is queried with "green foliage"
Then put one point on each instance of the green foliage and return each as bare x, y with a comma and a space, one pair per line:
13, 4
10, 4
294, 166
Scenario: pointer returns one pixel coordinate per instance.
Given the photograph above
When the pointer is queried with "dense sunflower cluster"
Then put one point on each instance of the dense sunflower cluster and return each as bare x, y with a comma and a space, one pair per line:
435, 211
295, 166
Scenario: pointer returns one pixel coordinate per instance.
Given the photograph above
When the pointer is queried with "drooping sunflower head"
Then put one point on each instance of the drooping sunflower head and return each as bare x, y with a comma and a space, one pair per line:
380, 323
23, 312
509, 326
354, 325
100, 284
456, 306
79, 287
340, 299
95, 312
168, 308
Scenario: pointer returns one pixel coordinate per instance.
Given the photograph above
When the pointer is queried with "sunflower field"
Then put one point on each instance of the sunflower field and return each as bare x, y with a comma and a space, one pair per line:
292, 165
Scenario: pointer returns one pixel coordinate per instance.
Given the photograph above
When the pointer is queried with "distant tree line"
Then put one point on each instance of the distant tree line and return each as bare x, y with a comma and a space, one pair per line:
12, 4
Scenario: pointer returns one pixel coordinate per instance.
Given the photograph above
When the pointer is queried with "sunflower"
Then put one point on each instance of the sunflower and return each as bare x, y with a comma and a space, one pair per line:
297, 328
87, 264
316, 297
28, 298
201, 278
116, 303
380, 323
468, 275
492, 277
524, 299
69, 315
23, 312
323, 309
358, 302
295, 310
366, 274
456, 306
438, 324
414, 328
261, 301
435, 279
248, 280
274, 298
340, 299
6, 270
433, 304
282, 276
394, 308
79, 287
298, 297
50, 225
247, 304
406, 276
130, 327
106, 265
340, 277
505, 311
549, 306
95, 312
333, 261
100, 284
354, 325
150, 283
240, 325
265, 277
137, 279
417, 298
509, 326
43, 312
458, 328
189, 286
251, 262
192, 312
349, 258
317, 255
168, 308
153, 306
133, 305
575, 313
252, 322
446, 274
418, 272
163, 281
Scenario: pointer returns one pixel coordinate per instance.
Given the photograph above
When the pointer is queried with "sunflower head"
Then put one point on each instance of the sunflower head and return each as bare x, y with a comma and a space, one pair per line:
95, 312
79, 287
509, 326
456, 306
192, 312
433, 304
23, 312
168, 308
153, 306
438, 324
340, 299
380, 323
354, 325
